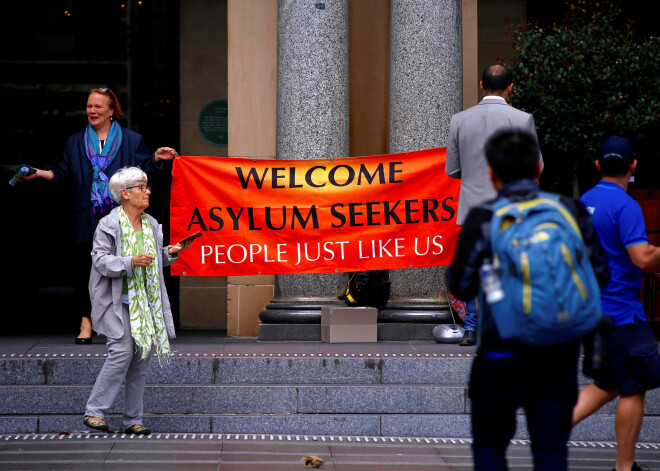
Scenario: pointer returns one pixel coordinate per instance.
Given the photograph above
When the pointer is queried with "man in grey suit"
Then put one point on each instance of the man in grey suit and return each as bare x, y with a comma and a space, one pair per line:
468, 133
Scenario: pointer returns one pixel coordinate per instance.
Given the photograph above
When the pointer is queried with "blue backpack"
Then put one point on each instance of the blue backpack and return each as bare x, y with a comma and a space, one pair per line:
551, 292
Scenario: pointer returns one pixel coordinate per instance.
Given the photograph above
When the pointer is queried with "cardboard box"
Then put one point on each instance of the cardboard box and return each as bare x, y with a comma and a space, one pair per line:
349, 333
348, 315
349, 324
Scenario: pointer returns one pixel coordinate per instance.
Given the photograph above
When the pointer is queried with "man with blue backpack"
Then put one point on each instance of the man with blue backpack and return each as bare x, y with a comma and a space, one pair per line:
632, 361
535, 263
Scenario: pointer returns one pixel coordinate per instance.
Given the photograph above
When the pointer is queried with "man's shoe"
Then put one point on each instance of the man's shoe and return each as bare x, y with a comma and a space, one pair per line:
469, 339
138, 429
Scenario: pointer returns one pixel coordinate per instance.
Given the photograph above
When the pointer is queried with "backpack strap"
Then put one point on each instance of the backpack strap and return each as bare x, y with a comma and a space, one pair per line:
521, 204
554, 200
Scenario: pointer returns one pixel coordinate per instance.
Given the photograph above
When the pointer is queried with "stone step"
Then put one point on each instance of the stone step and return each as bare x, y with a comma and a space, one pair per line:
264, 399
597, 428
326, 394
250, 369
431, 425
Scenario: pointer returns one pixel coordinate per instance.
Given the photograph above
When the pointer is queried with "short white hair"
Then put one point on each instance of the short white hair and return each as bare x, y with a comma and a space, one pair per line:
124, 178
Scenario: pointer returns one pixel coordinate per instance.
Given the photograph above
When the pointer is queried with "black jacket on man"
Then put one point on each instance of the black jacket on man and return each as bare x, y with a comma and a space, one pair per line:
474, 246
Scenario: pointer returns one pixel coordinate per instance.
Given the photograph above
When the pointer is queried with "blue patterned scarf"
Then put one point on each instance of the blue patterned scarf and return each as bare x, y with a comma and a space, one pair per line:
102, 202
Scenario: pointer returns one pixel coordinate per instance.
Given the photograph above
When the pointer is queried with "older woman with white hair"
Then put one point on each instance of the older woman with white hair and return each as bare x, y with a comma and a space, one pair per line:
129, 300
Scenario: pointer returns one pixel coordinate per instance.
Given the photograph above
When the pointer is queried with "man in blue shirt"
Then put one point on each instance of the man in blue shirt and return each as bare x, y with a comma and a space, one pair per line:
632, 362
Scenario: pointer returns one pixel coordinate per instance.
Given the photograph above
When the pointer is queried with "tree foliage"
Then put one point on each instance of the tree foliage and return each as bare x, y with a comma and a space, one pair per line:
587, 78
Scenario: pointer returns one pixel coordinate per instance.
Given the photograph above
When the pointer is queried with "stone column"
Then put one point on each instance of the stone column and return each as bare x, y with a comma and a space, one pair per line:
425, 91
312, 122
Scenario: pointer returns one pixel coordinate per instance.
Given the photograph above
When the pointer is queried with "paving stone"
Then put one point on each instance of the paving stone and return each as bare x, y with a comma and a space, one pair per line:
40, 400
214, 399
299, 424
449, 370
426, 425
18, 424
418, 399
295, 370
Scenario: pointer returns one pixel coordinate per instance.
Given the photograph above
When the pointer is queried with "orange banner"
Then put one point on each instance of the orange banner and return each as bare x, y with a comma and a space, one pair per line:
313, 216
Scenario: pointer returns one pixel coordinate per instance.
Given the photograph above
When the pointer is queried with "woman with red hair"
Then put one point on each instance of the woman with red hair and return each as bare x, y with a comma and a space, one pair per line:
91, 157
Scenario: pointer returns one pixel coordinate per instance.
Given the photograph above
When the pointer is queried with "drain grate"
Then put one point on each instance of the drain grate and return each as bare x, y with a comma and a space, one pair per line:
296, 438
251, 355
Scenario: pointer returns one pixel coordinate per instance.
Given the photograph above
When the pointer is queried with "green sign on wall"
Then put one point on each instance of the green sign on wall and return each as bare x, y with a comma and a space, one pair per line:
212, 123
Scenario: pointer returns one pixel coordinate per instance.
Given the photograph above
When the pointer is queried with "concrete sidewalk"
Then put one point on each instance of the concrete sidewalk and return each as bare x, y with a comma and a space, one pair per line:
165, 452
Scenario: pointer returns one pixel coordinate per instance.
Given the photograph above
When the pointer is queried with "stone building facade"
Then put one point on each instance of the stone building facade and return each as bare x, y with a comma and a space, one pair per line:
368, 77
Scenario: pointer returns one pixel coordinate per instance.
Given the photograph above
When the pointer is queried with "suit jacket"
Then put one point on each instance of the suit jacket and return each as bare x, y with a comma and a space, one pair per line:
76, 168
109, 268
468, 132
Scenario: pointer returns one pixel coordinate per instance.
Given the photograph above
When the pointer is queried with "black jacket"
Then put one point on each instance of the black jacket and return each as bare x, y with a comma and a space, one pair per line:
474, 246
76, 168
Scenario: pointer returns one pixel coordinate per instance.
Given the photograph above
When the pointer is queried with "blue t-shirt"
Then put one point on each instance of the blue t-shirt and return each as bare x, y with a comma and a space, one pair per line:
619, 222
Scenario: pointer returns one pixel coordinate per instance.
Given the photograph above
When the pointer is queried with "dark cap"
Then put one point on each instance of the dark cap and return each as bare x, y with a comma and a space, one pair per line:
616, 149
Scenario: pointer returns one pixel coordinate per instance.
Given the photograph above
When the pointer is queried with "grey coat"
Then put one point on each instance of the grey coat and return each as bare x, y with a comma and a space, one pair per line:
107, 275
468, 132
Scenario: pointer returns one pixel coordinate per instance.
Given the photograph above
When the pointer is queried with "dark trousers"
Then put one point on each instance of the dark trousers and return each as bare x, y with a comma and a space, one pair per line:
541, 381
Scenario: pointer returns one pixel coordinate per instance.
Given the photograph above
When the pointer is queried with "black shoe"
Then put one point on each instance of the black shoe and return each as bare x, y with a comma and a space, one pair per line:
469, 339
83, 340
639, 467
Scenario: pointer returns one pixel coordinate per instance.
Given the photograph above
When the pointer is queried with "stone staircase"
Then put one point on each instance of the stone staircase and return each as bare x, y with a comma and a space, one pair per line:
345, 394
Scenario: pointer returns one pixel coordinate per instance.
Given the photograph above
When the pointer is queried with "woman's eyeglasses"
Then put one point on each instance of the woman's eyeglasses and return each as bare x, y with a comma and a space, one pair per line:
143, 188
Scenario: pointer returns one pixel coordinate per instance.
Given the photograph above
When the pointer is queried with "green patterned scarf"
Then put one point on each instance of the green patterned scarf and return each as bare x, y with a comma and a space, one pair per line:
144, 305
